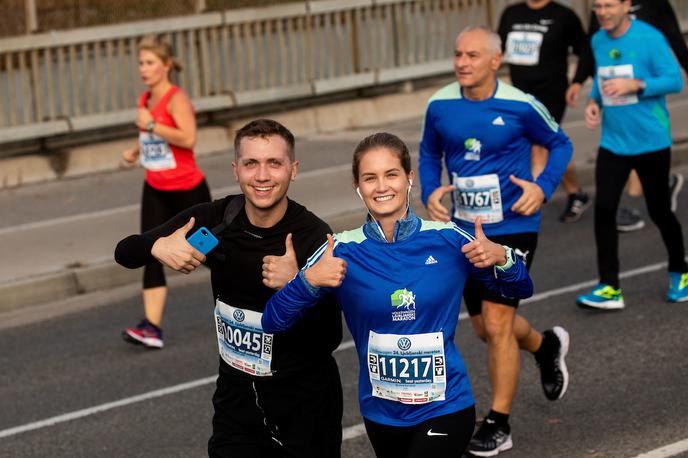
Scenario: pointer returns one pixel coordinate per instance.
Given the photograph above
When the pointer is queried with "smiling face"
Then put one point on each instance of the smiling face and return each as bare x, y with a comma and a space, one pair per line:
475, 64
263, 170
383, 183
612, 15
151, 68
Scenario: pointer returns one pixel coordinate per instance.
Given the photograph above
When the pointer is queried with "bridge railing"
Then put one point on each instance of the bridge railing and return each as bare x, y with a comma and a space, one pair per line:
83, 79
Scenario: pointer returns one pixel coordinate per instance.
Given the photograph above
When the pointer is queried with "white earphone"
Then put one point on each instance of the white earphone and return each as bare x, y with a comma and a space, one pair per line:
358, 191
410, 181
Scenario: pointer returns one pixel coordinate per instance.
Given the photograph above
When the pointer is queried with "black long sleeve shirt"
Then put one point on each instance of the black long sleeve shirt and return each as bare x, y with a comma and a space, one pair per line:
236, 276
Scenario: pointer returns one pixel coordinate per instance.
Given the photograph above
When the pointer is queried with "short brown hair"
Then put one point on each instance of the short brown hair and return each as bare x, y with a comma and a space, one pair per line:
263, 128
381, 140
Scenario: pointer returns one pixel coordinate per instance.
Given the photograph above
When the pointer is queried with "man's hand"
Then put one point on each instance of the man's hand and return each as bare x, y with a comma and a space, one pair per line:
616, 87
278, 270
176, 253
437, 211
481, 252
143, 117
329, 271
593, 117
572, 94
532, 198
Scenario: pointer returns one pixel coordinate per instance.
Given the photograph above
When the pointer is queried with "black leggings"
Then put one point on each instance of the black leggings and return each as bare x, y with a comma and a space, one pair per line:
611, 173
446, 436
159, 206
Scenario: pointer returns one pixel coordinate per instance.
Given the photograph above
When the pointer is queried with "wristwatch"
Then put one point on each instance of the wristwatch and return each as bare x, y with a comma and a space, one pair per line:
150, 126
510, 259
642, 85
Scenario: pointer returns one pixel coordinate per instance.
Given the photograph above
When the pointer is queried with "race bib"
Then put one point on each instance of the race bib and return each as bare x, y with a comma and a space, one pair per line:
156, 154
478, 196
410, 369
523, 48
241, 341
611, 72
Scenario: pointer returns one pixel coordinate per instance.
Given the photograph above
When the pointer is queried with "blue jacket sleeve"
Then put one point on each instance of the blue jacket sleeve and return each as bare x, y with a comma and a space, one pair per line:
287, 305
430, 158
666, 74
514, 282
543, 130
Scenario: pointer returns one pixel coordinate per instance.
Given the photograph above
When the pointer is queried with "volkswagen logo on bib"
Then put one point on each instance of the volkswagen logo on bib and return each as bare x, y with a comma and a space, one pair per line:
239, 315
469, 183
404, 343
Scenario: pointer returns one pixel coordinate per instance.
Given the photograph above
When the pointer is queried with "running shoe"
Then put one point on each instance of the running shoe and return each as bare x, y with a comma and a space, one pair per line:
629, 220
678, 287
553, 373
490, 439
575, 206
675, 185
145, 333
602, 297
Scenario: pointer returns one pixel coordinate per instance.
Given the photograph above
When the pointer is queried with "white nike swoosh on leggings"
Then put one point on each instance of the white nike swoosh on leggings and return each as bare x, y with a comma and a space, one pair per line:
430, 433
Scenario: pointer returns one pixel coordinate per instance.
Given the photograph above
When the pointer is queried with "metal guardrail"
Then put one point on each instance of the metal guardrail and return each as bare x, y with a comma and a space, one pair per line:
73, 81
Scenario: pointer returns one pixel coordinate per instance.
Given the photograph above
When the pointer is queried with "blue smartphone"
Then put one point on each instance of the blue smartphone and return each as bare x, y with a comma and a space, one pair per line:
203, 240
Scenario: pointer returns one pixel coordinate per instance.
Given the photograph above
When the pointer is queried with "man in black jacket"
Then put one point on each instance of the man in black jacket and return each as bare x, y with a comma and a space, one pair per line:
277, 395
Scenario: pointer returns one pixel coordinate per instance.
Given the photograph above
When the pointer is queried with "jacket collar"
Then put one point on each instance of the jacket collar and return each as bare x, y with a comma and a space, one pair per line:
403, 228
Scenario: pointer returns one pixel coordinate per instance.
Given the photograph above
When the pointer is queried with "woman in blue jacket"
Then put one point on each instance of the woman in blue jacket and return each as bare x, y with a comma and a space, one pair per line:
399, 281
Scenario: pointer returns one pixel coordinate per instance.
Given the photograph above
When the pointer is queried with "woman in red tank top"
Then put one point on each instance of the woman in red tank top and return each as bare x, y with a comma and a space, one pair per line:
173, 182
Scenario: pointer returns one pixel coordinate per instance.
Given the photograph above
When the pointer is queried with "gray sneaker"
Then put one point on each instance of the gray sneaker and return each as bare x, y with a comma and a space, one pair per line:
629, 220
675, 185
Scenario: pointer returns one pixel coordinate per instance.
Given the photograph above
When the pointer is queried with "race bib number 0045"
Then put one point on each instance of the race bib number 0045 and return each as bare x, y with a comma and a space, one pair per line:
241, 341
410, 369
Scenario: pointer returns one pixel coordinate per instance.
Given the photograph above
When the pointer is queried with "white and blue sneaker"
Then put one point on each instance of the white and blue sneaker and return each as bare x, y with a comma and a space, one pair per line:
603, 297
678, 287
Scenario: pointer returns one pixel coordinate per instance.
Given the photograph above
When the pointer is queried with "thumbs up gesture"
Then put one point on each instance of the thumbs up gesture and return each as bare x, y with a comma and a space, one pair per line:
278, 270
532, 198
481, 252
329, 271
176, 253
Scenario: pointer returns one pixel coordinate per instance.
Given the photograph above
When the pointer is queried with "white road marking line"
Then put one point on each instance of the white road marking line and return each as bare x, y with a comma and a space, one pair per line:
350, 432
107, 406
667, 450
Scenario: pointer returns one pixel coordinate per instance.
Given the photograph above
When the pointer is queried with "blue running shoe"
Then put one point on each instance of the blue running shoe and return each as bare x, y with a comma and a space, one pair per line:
678, 287
603, 297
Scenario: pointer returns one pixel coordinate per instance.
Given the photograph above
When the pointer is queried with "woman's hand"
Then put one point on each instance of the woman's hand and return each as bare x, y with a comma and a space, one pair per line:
143, 117
329, 271
129, 157
482, 252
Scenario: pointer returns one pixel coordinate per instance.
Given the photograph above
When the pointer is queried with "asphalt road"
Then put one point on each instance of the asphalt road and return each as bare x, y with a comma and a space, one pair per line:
629, 371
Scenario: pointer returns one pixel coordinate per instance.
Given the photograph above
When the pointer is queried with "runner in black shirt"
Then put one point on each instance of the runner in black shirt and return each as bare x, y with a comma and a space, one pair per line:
660, 15
537, 37
276, 396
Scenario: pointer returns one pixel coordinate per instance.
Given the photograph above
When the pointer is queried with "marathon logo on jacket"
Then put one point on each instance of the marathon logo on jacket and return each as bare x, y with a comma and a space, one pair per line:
473, 149
407, 368
241, 341
404, 304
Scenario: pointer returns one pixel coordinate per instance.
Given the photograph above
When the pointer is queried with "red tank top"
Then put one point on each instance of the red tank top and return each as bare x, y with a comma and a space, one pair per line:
168, 167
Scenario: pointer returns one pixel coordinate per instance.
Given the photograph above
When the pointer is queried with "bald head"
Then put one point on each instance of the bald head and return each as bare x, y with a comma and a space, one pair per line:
477, 56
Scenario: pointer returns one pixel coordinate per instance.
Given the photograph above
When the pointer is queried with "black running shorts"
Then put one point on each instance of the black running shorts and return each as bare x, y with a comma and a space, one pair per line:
446, 436
299, 416
475, 292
